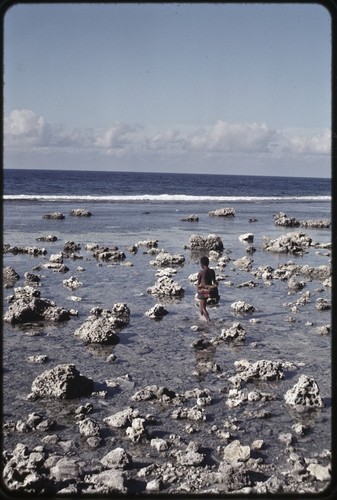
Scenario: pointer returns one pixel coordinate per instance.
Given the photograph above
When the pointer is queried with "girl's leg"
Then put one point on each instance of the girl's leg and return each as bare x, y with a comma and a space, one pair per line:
201, 306
203, 310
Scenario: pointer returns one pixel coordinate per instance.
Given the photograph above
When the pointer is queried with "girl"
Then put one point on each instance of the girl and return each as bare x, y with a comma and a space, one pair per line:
207, 286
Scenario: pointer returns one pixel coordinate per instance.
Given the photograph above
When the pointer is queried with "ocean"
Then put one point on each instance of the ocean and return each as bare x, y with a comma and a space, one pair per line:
128, 208
138, 186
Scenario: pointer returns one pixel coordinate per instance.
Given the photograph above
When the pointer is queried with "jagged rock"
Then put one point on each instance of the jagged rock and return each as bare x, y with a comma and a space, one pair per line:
54, 215
56, 267
241, 308
27, 306
232, 476
56, 258
159, 444
236, 397
148, 243
317, 224
201, 344
202, 243
300, 429
167, 271
63, 381
236, 331
151, 392
247, 237
250, 249
223, 261
73, 283
32, 278
324, 330
236, 452
108, 254
243, 263
156, 312
191, 456
107, 483
49, 238
320, 472
248, 284
35, 251
193, 413
117, 459
154, 485
71, 246
222, 212
263, 272
165, 259
190, 218
80, 212
137, 431
286, 438
103, 325
39, 358
88, 427
122, 418
9, 276
282, 219
295, 285
165, 286
323, 304
295, 243
286, 271
133, 249
262, 369
305, 393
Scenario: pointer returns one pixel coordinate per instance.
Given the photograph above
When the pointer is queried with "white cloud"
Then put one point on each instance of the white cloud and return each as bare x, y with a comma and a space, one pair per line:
30, 139
307, 143
23, 126
117, 136
232, 137
164, 140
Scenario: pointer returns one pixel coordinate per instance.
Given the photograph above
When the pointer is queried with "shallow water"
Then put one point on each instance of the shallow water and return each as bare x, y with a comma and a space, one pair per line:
160, 353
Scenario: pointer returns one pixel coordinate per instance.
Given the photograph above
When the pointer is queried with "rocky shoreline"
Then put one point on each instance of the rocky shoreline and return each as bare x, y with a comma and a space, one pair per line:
204, 440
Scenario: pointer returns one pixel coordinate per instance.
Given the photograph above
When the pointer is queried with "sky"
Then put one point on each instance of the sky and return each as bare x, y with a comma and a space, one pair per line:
223, 88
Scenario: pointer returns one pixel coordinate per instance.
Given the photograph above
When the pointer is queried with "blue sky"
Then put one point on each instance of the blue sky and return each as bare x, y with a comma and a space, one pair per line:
209, 88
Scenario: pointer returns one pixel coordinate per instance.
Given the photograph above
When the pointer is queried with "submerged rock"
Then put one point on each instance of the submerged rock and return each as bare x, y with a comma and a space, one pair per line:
9, 276
190, 218
80, 212
27, 306
260, 370
164, 259
222, 212
165, 286
247, 237
117, 459
122, 418
295, 243
103, 325
236, 331
63, 381
49, 238
205, 243
305, 393
156, 312
73, 283
242, 308
54, 216
281, 219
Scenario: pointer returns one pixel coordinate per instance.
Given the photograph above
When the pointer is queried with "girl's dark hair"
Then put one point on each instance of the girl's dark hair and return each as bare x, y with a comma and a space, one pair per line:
204, 261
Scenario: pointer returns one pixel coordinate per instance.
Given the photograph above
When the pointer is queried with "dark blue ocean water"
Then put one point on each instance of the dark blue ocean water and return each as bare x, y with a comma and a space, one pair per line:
105, 186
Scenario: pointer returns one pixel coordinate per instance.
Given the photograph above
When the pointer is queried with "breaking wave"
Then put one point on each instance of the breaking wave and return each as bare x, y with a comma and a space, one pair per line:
159, 198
